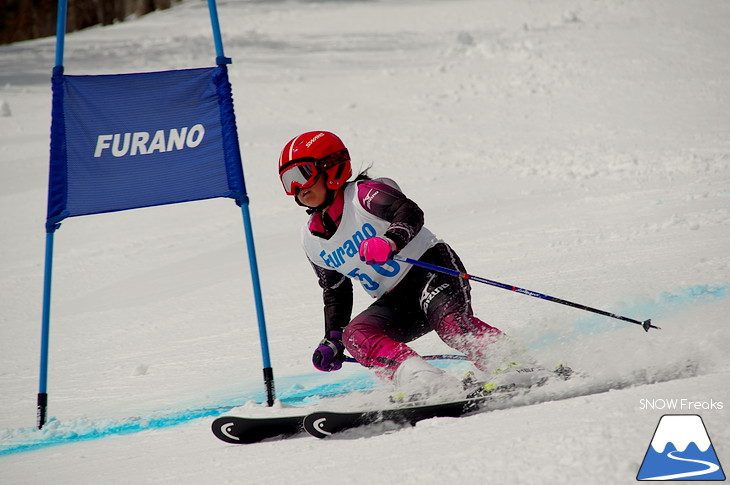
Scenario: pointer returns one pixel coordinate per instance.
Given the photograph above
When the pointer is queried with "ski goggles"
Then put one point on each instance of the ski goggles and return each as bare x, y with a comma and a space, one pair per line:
300, 173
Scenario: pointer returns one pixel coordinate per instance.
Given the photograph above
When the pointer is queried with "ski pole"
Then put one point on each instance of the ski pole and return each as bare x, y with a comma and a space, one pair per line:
646, 325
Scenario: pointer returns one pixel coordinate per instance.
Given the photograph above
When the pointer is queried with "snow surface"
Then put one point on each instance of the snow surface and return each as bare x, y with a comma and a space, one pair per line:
578, 148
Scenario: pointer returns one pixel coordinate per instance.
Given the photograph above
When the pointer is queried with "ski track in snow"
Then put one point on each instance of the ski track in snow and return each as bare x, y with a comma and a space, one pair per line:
302, 396
57, 433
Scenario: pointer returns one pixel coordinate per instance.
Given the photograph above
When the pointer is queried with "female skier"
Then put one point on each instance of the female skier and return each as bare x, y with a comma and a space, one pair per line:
354, 230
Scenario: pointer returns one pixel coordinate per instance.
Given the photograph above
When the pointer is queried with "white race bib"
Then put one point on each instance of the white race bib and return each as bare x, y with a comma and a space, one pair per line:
340, 252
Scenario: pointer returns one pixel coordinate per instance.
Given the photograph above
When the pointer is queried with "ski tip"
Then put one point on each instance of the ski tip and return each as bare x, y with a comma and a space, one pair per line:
647, 325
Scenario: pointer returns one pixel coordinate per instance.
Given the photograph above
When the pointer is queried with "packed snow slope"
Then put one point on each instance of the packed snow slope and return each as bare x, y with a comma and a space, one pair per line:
578, 148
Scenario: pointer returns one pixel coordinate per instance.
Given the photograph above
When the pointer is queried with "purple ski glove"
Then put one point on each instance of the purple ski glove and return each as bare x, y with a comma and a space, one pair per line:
330, 354
377, 250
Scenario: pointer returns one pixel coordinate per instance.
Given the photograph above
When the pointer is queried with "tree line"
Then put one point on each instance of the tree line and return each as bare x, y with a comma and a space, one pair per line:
30, 19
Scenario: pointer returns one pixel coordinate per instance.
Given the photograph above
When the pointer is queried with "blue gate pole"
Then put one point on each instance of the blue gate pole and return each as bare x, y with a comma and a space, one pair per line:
41, 411
217, 39
42, 403
263, 337
60, 32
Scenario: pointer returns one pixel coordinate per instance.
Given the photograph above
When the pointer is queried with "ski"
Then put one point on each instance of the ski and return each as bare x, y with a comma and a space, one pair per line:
242, 431
247, 430
325, 423
321, 424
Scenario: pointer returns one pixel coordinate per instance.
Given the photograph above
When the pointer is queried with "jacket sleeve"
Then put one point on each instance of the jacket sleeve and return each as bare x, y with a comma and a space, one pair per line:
405, 217
337, 297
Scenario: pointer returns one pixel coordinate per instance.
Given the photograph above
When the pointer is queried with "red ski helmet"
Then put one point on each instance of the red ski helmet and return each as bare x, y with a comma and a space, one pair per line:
311, 153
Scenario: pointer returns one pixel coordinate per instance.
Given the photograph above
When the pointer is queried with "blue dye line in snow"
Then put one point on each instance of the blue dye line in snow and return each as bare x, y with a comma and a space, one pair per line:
55, 433
665, 304
30, 439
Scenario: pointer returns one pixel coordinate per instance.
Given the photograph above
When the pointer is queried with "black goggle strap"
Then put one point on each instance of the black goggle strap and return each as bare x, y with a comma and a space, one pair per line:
337, 158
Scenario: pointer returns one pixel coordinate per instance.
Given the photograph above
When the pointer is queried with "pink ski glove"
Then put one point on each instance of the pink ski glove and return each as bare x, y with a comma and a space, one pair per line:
377, 250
